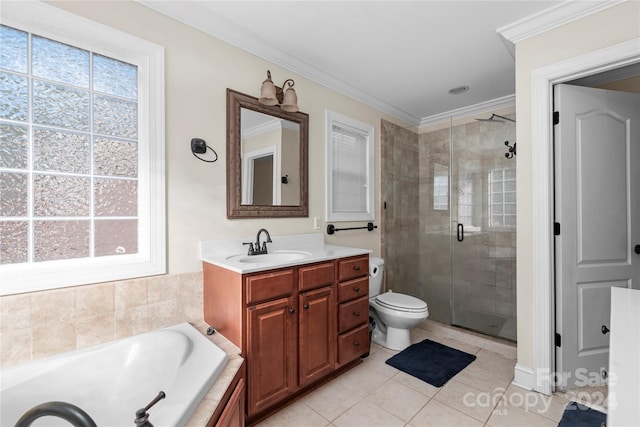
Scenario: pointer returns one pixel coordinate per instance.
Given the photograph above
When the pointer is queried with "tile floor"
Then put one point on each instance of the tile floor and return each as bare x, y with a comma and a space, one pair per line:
376, 394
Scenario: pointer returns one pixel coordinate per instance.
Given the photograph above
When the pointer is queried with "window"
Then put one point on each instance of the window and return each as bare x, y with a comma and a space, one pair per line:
350, 173
502, 198
440, 187
81, 152
466, 202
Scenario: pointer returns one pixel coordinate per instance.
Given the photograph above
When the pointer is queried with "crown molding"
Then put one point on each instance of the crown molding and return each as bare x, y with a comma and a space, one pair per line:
201, 17
271, 125
483, 107
262, 128
552, 17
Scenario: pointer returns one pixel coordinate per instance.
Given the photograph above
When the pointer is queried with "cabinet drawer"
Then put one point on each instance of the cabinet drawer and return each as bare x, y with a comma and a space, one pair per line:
353, 344
263, 287
316, 276
353, 289
353, 267
352, 314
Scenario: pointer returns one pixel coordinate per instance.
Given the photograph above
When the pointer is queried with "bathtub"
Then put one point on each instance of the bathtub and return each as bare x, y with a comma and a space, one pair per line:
111, 381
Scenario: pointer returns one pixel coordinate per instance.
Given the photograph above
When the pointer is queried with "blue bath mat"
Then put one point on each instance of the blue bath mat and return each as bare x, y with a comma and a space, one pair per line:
431, 361
577, 415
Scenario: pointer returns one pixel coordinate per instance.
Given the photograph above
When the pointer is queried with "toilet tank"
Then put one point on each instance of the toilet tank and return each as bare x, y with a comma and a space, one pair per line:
376, 268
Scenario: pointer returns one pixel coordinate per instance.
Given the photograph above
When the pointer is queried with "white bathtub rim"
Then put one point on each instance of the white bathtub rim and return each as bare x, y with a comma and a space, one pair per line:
167, 408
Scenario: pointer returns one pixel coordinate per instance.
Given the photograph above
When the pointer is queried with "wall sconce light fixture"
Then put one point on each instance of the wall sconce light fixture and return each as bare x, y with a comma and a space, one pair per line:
271, 94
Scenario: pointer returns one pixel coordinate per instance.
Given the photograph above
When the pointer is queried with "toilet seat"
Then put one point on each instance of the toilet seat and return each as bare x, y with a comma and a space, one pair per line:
401, 302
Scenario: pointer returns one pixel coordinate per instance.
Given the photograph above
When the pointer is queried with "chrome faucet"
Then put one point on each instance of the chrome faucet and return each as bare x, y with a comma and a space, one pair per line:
67, 411
256, 248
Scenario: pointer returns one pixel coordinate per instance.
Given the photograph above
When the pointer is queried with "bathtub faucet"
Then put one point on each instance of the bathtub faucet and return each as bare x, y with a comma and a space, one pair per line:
64, 410
142, 416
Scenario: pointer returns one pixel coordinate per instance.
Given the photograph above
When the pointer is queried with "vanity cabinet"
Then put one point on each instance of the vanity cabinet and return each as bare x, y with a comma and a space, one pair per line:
271, 352
317, 333
353, 308
289, 324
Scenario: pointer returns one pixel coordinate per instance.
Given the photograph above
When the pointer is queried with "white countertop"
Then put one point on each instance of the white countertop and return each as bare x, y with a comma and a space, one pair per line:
226, 253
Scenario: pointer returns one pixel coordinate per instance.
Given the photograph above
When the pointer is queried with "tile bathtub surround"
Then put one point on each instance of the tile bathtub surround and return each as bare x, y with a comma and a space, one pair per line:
41, 324
376, 394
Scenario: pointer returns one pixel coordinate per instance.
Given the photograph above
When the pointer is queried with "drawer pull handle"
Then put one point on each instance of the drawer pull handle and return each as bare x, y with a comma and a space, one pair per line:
357, 343
356, 313
292, 310
356, 267
306, 306
356, 289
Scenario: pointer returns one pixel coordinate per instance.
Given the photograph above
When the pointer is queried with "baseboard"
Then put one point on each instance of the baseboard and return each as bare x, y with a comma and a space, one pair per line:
523, 377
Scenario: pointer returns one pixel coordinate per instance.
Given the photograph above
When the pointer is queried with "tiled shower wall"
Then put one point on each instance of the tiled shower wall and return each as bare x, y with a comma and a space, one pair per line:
435, 228
416, 238
400, 216
41, 324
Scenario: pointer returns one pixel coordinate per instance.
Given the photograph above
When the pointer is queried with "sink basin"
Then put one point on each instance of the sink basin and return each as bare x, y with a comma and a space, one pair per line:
275, 257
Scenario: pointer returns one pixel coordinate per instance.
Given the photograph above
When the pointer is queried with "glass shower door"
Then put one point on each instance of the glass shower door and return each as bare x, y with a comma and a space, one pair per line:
483, 215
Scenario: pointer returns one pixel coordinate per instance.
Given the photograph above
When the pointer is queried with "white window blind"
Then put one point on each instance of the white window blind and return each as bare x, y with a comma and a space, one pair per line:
350, 169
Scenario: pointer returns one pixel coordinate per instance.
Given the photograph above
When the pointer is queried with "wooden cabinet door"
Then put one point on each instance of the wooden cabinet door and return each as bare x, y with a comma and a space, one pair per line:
317, 334
233, 414
271, 355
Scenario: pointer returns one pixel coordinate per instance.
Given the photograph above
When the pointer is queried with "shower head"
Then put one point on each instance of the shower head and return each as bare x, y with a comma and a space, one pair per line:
496, 118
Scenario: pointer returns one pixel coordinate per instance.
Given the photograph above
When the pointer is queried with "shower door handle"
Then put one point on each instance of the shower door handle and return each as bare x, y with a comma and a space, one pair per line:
460, 232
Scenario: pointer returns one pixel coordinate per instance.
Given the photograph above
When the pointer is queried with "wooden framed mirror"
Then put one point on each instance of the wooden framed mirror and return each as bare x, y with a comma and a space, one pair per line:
267, 160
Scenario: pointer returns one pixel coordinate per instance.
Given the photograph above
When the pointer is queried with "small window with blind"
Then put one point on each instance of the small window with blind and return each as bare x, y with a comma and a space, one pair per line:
350, 172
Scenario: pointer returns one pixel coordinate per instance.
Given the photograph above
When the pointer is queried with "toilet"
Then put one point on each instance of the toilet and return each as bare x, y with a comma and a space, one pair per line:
393, 313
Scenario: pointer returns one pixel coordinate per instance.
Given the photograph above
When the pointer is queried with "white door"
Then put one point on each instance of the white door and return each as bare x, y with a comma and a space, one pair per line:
597, 192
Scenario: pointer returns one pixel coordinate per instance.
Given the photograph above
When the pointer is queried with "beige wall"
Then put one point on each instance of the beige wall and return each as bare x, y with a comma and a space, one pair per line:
632, 84
609, 27
198, 70
290, 166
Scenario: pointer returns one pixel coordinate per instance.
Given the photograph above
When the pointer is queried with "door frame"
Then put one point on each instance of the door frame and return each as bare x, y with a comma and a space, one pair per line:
541, 377
248, 168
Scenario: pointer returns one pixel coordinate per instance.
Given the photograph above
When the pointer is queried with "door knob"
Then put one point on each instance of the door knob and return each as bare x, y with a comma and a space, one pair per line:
637, 249
604, 329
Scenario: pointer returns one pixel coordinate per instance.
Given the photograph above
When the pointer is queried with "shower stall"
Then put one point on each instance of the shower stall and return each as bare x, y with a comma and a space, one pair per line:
449, 220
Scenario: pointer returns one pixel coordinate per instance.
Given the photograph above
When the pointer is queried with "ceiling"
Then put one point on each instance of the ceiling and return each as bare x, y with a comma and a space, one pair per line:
401, 57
